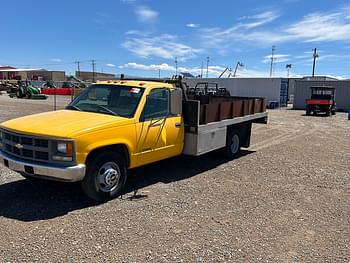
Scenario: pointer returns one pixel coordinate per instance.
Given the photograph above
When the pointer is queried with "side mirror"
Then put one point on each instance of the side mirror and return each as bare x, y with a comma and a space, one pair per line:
176, 102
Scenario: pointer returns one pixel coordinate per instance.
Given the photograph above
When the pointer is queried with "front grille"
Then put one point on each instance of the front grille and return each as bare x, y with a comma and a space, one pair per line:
41, 143
27, 153
42, 155
27, 141
26, 147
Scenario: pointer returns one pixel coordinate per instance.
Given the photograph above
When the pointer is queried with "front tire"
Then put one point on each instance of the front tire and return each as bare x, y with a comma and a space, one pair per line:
233, 144
105, 176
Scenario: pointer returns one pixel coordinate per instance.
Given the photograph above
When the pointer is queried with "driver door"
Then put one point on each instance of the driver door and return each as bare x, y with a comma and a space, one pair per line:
154, 134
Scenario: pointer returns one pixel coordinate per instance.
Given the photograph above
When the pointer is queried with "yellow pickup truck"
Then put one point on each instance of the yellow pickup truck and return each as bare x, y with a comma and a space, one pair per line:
121, 124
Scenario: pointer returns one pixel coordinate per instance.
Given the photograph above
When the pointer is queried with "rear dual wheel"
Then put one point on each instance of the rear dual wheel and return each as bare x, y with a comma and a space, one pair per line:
233, 144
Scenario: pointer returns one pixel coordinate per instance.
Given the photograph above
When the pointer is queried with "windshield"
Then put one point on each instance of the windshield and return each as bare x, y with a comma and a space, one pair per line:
109, 99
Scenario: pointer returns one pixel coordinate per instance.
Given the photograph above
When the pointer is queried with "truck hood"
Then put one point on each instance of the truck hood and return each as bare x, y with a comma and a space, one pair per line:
64, 123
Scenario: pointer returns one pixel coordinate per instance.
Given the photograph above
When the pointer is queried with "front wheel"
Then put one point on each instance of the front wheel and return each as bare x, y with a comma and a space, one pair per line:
105, 176
233, 144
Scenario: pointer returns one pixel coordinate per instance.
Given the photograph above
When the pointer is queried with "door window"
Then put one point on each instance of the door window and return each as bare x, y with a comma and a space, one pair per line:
157, 105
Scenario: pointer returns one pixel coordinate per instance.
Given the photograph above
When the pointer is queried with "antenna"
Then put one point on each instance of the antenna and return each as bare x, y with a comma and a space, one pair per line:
314, 55
272, 60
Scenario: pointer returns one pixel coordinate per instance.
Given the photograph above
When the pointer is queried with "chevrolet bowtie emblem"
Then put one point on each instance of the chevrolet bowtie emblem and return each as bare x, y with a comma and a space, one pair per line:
19, 146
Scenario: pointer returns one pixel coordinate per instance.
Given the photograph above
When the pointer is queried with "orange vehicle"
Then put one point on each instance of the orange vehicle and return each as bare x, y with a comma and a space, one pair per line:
322, 100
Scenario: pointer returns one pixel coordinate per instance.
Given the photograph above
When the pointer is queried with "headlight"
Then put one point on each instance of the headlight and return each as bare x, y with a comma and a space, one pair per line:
62, 147
63, 152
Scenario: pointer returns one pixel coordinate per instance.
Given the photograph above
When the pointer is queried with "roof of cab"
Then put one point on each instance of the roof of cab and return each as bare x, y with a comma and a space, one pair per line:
137, 83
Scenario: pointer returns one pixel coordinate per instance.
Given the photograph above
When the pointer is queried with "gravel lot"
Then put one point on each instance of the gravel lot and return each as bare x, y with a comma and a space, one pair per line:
286, 199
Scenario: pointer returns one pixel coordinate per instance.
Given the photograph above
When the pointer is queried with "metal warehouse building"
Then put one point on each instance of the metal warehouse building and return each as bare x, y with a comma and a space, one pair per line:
302, 91
273, 89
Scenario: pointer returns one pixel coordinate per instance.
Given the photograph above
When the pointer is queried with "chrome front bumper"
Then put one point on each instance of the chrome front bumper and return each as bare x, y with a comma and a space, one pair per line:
68, 174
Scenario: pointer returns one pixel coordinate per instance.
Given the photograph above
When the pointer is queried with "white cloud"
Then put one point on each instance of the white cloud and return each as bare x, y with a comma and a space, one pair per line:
322, 27
134, 65
146, 14
110, 65
279, 58
314, 27
241, 31
192, 25
56, 60
136, 33
164, 46
260, 19
212, 70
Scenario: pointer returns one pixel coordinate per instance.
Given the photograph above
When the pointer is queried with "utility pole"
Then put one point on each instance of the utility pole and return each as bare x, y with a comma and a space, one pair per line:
93, 63
176, 66
314, 55
202, 70
158, 73
288, 67
78, 65
239, 64
272, 60
208, 60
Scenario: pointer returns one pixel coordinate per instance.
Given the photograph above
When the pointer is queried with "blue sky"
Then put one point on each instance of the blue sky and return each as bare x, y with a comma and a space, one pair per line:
139, 37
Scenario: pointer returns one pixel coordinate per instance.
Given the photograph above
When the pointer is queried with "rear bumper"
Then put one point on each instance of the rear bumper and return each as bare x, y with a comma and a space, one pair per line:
67, 174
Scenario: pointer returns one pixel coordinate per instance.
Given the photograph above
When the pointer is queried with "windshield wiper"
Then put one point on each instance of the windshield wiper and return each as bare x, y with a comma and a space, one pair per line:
107, 110
73, 107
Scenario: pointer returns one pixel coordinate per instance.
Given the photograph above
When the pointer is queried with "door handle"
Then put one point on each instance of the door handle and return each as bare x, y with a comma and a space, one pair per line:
178, 125
155, 124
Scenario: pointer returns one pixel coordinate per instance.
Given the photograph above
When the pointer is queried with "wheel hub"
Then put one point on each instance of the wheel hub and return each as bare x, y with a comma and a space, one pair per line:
235, 144
108, 177
111, 177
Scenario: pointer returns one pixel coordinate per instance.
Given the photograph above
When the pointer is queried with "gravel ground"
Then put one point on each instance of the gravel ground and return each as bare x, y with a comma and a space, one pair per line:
286, 199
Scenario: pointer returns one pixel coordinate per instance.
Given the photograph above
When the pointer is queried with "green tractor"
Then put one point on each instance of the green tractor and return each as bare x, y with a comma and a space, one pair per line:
26, 91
